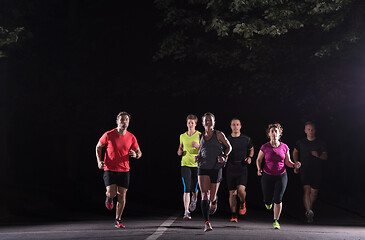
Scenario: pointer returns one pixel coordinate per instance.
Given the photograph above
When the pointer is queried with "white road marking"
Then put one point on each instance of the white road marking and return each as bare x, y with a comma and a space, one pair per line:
162, 228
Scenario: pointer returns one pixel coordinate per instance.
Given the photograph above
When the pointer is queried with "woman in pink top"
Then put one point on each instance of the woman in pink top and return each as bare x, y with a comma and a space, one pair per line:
274, 176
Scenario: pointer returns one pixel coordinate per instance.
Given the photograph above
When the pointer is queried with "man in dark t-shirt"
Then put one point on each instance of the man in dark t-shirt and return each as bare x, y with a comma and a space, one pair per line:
236, 170
311, 152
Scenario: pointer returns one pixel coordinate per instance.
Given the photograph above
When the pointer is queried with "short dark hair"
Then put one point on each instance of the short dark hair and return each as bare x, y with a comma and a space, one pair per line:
309, 123
234, 119
123, 114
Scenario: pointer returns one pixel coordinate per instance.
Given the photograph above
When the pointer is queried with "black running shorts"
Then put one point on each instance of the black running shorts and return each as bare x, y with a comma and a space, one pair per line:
121, 179
236, 178
311, 177
214, 174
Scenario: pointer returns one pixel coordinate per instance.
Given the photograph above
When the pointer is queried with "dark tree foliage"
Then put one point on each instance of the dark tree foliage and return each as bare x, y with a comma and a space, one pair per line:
254, 47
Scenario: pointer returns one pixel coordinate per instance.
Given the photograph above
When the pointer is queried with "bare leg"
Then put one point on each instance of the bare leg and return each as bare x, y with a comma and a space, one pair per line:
122, 192
233, 200
195, 195
307, 197
186, 199
111, 191
213, 191
277, 210
241, 192
313, 196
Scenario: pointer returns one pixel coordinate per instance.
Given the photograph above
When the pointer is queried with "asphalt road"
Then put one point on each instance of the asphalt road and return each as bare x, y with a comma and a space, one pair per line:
334, 223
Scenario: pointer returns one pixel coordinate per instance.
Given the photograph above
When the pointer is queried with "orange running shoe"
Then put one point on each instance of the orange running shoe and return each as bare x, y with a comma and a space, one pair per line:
207, 226
234, 218
242, 209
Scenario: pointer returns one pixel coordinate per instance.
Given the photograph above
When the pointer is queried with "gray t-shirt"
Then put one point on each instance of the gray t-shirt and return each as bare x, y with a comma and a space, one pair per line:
209, 152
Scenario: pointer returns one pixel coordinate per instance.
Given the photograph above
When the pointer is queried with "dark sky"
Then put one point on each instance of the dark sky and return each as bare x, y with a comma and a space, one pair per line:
79, 63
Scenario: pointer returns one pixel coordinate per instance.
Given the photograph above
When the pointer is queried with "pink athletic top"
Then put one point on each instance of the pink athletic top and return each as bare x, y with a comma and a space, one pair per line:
274, 158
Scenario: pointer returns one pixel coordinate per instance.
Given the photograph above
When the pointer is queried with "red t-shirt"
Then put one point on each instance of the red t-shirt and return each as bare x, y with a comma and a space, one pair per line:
117, 150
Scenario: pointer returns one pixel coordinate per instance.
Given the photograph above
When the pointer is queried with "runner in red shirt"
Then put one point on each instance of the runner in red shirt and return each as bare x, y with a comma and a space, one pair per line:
120, 145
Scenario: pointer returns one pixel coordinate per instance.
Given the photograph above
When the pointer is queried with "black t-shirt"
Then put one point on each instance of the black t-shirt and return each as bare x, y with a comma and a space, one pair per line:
240, 146
305, 148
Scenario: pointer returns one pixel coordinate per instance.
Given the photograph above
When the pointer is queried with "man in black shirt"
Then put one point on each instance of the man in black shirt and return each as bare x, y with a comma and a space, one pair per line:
311, 152
236, 170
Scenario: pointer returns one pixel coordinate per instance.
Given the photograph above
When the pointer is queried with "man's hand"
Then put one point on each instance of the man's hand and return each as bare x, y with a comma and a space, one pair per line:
132, 153
248, 160
101, 164
315, 153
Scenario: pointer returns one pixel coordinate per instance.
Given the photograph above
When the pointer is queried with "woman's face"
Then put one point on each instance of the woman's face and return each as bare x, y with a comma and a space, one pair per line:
208, 122
274, 134
191, 124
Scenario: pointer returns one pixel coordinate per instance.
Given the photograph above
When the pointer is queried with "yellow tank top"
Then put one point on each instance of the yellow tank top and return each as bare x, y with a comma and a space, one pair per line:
189, 151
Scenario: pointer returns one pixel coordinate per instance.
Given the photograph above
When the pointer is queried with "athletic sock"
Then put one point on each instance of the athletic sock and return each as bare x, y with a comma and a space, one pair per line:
205, 209
214, 202
187, 211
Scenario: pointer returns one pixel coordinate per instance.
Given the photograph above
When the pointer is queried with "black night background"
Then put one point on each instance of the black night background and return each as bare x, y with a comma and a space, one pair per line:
76, 64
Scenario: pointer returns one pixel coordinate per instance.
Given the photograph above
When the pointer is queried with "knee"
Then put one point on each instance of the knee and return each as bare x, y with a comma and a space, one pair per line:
111, 193
122, 194
205, 195
232, 193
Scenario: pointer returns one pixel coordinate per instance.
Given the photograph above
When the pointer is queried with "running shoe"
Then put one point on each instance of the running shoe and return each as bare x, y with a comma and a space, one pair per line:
276, 224
207, 226
268, 206
234, 218
187, 216
242, 209
109, 204
213, 207
192, 205
309, 215
119, 224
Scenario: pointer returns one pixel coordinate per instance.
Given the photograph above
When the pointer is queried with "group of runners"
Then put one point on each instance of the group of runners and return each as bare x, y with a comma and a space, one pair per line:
203, 157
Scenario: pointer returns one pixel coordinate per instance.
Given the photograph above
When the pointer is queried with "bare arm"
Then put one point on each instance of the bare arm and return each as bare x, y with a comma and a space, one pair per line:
250, 155
288, 161
295, 155
296, 160
99, 160
137, 154
223, 140
196, 158
260, 156
323, 156
180, 150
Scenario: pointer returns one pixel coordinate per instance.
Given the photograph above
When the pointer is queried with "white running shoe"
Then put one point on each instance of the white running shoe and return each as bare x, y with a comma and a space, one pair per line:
192, 205
187, 216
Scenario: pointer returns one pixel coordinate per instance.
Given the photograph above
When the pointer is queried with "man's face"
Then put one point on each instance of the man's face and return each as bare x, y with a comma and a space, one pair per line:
123, 122
310, 130
236, 126
191, 124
